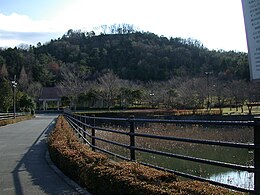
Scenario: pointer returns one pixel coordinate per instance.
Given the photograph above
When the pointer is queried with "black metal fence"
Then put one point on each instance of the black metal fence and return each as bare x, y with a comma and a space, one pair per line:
82, 123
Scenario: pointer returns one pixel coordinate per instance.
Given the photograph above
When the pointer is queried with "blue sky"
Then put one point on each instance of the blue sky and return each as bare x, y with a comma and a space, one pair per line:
35, 9
218, 24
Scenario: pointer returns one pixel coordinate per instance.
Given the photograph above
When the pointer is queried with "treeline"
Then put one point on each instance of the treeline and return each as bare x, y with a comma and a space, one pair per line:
109, 91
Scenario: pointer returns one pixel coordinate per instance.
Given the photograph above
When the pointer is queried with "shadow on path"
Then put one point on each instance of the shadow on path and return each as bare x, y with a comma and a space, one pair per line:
33, 175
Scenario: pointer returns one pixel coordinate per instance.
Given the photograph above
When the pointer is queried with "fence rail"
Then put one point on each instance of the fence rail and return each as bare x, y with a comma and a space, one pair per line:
81, 123
4, 116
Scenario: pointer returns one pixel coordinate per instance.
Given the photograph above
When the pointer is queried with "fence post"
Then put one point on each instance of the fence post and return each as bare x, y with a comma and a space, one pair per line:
93, 133
132, 138
85, 129
78, 123
257, 155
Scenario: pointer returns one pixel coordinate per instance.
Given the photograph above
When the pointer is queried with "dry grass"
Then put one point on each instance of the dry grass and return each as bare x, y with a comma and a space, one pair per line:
17, 119
229, 134
218, 153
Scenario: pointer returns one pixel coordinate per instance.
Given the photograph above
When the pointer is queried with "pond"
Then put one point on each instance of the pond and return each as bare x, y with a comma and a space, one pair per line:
228, 176
224, 154
236, 178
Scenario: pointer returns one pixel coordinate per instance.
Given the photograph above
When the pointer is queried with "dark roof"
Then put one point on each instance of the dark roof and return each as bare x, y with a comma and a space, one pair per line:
50, 93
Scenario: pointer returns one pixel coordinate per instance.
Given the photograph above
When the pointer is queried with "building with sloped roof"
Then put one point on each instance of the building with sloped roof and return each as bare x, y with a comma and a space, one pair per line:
50, 94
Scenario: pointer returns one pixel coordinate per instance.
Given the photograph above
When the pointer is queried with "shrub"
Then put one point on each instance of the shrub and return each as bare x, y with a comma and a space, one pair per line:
12, 120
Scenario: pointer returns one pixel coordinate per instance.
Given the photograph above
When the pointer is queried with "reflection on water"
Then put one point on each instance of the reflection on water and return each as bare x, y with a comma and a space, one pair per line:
215, 153
228, 176
235, 178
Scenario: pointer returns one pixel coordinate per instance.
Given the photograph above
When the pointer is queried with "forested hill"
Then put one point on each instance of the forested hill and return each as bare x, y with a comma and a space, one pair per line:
133, 56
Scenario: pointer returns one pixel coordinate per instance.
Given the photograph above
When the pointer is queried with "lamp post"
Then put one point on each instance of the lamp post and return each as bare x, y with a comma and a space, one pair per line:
14, 84
152, 96
207, 74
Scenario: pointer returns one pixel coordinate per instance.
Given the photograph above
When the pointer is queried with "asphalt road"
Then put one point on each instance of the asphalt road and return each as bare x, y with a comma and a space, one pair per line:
24, 164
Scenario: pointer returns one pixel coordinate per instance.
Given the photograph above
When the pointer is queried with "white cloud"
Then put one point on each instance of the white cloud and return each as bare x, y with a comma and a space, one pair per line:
217, 24
22, 23
10, 43
16, 29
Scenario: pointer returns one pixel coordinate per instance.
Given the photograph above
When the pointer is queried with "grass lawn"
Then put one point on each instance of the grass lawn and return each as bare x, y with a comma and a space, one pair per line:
234, 111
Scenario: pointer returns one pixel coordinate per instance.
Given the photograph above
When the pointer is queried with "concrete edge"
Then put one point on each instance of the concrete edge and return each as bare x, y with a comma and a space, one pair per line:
69, 181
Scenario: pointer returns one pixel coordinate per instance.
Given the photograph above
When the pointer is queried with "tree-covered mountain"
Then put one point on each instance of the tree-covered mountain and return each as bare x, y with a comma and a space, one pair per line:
125, 68
144, 56
131, 55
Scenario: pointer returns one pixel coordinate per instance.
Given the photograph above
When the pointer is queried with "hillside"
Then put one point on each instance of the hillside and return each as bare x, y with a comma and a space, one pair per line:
132, 56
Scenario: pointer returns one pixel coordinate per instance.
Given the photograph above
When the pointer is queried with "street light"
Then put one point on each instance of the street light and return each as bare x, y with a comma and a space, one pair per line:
207, 74
14, 84
152, 96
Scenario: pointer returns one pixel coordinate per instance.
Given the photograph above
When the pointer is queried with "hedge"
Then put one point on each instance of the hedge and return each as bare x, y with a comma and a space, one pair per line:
15, 120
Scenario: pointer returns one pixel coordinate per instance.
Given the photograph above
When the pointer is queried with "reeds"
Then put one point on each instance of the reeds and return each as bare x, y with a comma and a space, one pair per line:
218, 153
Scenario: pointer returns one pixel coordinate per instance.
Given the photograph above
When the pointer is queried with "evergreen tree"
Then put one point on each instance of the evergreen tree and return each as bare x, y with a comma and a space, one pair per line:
26, 103
23, 80
3, 72
5, 95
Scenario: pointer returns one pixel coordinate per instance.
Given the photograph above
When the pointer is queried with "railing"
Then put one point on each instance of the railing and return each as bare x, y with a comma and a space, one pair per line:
82, 123
4, 116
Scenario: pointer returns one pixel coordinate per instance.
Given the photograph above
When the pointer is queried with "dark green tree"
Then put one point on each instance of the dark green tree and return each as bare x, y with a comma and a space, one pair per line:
23, 80
27, 104
3, 72
6, 97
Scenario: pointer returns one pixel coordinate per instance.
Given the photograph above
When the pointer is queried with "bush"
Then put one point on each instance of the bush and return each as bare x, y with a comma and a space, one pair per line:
12, 120
102, 176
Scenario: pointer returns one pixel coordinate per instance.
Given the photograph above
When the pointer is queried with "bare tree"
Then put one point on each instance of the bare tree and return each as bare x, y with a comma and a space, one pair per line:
192, 93
108, 85
90, 94
104, 29
71, 85
253, 95
220, 91
237, 93
155, 93
253, 91
34, 89
171, 93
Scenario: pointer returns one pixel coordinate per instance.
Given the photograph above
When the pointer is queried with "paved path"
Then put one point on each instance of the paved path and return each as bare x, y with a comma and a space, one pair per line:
24, 165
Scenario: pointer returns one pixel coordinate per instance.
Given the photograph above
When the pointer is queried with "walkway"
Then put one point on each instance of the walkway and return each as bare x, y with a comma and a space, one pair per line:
25, 167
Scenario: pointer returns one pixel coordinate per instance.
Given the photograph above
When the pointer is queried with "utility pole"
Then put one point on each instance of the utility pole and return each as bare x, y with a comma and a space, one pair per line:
14, 84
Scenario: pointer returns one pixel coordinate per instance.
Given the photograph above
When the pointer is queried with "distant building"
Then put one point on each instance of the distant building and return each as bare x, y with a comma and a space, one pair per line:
50, 95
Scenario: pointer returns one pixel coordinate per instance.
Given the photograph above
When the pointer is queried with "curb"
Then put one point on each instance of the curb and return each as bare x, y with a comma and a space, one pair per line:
65, 178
